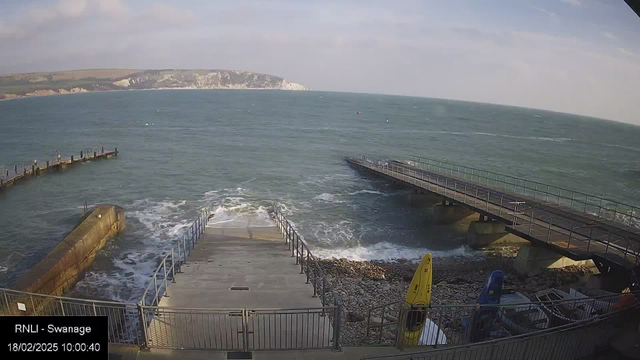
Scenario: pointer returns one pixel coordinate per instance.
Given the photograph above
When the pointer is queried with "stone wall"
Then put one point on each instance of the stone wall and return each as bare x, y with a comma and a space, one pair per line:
64, 265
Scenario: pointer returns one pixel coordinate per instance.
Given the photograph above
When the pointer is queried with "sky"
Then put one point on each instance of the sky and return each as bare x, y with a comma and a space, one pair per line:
576, 56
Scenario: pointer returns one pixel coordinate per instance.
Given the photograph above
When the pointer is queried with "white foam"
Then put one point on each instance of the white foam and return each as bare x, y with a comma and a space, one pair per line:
327, 197
388, 252
240, 216
368, 192
524, 137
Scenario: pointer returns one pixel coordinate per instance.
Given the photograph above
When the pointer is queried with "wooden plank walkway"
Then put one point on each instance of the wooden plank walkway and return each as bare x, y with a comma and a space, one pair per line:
9, 177
573, 234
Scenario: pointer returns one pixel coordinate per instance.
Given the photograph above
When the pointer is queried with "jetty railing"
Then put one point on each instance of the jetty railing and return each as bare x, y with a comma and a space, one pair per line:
447, 325
615, 211
558, 230
310, 266
570, 341
172, 261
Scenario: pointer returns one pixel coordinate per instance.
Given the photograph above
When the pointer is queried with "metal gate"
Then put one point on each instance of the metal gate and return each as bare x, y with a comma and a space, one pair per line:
240, 329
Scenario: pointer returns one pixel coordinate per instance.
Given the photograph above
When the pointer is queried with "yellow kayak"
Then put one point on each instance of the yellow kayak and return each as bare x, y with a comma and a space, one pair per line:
419, 297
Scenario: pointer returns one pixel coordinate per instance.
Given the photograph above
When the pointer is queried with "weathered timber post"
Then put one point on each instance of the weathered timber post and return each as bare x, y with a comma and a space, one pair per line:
81, 155
116, 151
71, 160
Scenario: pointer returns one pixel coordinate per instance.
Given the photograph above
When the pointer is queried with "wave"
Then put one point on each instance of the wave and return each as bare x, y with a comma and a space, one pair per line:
155, 227
620, 146
388, 252
327, 197
541, 138
560, 139
368, 192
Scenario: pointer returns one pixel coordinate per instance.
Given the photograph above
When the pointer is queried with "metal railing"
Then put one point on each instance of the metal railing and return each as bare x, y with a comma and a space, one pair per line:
241, 329
124, 326
559, 230
172, 261
462, 324
572, 340
310, 266
616, 211
308, 263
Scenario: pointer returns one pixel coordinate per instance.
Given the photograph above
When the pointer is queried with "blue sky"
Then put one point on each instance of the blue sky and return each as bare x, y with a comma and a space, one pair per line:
578, 56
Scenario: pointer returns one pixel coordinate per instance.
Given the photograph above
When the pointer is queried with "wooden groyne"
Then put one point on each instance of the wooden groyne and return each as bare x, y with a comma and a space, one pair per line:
10, 176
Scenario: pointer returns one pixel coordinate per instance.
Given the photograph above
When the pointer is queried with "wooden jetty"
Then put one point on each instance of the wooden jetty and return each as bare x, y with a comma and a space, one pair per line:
11, 176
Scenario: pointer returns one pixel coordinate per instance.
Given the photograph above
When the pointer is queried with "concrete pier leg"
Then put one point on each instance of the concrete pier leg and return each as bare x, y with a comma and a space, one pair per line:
490, 233
447, 213
532, 258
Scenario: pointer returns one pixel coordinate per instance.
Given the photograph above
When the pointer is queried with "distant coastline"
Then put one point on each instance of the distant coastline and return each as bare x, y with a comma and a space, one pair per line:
136, 90
16, 86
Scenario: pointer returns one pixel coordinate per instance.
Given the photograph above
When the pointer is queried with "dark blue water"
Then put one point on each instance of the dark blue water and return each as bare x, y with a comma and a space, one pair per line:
243, 150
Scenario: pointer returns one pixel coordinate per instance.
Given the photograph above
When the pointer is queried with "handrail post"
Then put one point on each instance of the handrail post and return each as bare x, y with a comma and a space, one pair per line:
155, 286
464, 198
143, 327
549, 232
336, 326
297, 250
173, 268
488, 197
293, 244
302, 259
307, 265
179, 253
531, 222
315, 280
570, 234
164, 268
184, 248
324, 291
500, 211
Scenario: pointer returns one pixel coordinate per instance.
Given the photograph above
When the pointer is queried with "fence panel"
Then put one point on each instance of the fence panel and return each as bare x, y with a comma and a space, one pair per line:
202, 329
124, 326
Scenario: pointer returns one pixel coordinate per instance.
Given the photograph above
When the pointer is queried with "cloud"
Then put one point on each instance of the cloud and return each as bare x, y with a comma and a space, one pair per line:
167, 14
573, 2
545, 11
113, 8
609, 35
71, 8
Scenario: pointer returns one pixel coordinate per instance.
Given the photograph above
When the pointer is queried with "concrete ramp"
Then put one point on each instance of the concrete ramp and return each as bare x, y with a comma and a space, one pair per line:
240, 289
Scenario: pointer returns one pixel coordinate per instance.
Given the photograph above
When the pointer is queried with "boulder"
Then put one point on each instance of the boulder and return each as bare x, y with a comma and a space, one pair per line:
355, 317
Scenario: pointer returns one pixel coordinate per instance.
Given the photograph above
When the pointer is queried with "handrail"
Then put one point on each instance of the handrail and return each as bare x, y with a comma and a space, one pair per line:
315, 274
518, 217
451, 349
629, 213
174, 259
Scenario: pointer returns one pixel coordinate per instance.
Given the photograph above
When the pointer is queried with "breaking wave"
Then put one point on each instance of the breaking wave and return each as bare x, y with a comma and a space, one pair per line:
388, 252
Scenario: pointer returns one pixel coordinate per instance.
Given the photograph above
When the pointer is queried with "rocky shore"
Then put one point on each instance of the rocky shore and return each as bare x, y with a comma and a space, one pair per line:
456, 281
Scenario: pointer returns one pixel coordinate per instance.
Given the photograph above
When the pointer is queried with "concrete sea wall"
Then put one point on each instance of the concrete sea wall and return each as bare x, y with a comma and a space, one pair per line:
64, 265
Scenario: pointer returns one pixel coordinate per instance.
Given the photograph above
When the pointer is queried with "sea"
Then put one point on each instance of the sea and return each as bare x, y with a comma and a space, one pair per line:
241, 152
